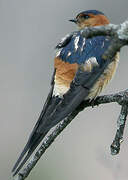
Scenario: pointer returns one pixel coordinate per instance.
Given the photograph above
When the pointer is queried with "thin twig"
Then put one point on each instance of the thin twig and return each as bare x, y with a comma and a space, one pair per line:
115, 146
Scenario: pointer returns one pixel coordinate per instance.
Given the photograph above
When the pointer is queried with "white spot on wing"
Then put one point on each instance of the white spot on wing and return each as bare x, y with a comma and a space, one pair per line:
83, 44
102, 45
92, 61
69, 53
76, 42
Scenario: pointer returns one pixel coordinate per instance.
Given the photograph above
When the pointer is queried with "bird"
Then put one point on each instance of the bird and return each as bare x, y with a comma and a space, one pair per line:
80, 73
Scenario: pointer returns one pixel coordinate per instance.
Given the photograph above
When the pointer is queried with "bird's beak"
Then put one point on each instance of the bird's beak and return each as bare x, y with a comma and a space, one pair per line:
73, 20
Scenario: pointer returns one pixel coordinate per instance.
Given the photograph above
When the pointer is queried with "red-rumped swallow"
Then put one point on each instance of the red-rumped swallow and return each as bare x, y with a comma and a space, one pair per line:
80, 73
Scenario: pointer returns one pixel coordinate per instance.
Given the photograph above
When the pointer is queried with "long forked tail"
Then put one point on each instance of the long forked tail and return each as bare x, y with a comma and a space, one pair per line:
36, 137
57, 110
29, 148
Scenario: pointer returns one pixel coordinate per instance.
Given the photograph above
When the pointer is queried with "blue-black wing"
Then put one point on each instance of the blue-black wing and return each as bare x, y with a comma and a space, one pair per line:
78, 49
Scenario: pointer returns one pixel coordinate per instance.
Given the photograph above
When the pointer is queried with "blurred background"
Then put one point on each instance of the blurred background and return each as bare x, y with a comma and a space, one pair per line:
29, 31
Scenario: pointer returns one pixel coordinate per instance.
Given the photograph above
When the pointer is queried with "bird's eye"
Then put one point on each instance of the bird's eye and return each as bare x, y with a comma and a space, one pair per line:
85, 16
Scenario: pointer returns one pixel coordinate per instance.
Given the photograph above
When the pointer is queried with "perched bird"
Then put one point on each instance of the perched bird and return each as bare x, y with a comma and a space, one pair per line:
80, 73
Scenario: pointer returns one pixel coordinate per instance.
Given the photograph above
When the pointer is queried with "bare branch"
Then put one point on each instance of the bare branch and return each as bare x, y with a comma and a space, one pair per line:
120, 98
115, 147
119, 35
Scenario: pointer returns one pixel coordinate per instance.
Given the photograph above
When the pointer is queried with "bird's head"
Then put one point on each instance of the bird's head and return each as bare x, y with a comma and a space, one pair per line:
90, 18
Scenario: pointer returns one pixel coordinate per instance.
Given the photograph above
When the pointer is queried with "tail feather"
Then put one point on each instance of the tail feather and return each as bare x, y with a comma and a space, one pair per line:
34, 138
22, 163
30, 148
56, 111
21, 157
